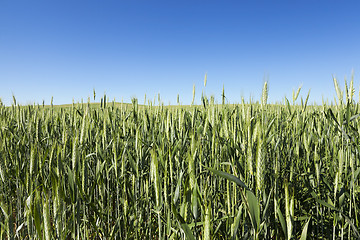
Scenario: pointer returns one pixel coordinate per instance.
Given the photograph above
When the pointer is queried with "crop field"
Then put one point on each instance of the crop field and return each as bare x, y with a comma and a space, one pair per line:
251, 170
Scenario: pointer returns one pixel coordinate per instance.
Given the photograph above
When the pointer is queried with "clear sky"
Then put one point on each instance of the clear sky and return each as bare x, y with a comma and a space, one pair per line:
130, 48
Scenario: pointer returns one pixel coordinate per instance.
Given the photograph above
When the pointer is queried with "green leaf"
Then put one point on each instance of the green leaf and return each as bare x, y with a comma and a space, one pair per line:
177, 189
282, 221
331, 114
341, 197
356, 174
194, 203
236, 223
322, 202
187, 231
355, 228
264, 213
288, 105
183, 224
4, 209
352, 118
229, 177
254, 209
304, 231
36, 214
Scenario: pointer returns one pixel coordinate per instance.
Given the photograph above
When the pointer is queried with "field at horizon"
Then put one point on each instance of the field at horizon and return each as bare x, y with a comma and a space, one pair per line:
209, 171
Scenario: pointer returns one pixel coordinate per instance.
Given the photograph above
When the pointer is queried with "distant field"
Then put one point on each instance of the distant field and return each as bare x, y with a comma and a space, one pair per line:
213, 171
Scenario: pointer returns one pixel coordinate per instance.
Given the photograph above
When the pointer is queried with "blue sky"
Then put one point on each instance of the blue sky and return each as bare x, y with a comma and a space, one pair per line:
128, 49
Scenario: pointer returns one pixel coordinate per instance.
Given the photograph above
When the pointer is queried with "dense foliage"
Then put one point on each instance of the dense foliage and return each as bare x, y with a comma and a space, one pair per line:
118, 171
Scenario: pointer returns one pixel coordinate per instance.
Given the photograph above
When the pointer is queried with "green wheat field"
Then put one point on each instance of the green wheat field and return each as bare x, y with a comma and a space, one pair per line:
251, 170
